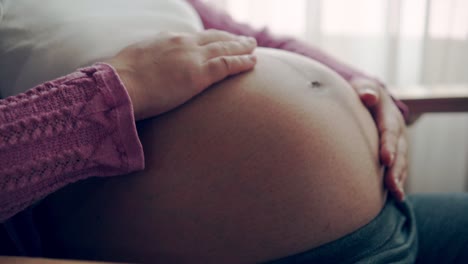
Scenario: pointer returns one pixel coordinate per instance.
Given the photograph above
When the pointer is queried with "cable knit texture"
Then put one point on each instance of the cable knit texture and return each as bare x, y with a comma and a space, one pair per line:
216, 19
59, 132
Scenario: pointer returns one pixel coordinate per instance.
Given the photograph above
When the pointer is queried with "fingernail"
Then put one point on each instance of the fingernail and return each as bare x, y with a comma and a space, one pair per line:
252, 57
369, 97
367, 90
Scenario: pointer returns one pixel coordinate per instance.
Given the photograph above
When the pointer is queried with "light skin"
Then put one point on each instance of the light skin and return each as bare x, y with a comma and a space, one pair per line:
162, 73
259, 166
156, 83
392, 133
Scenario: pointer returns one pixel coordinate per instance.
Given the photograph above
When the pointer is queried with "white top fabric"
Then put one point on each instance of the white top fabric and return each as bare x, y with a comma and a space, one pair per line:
41, 40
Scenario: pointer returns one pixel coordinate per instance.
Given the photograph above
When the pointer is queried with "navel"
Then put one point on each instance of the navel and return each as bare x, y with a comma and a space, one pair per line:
315, 84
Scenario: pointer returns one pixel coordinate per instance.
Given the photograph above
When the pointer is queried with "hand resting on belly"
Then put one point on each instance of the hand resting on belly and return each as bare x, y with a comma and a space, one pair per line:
263, 165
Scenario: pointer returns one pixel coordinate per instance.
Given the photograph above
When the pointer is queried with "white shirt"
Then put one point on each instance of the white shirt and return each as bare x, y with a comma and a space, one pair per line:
41, 40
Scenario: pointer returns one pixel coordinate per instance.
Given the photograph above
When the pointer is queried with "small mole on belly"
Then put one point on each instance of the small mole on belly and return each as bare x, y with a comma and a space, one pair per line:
315, 84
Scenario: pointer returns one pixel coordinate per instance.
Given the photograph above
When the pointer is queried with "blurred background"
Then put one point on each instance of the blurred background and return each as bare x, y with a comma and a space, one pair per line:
403, 43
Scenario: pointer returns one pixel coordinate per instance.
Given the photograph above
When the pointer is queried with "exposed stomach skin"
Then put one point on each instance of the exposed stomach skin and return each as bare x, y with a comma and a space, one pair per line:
263, 165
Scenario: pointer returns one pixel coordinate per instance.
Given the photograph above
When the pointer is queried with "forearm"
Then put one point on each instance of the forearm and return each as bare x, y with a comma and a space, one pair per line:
74, 127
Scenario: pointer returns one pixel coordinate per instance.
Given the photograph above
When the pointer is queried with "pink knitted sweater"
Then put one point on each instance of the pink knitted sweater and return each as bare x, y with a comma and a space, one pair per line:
82, 125
68, 129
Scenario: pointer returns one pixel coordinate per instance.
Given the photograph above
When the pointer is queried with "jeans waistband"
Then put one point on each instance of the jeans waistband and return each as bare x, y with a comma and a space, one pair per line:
391, 237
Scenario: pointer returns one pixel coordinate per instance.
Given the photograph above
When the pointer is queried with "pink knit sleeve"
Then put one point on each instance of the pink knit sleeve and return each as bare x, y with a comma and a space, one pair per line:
72, 128
216, 19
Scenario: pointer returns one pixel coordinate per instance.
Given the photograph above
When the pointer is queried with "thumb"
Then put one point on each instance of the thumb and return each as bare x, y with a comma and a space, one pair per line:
368, 91
369, 95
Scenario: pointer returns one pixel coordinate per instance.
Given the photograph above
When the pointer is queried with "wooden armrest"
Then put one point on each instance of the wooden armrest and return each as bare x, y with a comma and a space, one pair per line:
433, 99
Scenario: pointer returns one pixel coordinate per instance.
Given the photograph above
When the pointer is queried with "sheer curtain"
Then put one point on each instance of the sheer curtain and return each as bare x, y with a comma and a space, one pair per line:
400, 42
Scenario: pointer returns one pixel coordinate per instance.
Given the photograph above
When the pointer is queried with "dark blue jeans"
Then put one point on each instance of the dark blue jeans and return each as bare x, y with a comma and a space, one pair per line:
426, 228
442, 223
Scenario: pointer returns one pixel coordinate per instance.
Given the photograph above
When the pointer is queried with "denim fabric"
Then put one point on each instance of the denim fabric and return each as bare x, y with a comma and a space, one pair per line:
442, 221
426, 228
391, 237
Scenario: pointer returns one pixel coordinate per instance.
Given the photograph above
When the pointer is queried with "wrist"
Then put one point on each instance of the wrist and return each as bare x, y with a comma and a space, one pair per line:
124, 74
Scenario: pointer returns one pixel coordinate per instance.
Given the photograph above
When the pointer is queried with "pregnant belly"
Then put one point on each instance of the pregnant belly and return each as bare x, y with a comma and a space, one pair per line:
263, 165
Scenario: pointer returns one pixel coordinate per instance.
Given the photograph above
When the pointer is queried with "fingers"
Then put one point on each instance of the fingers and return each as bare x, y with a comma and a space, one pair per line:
394, 154
369, 97
368, 91
398, 172
391, 126
395, 187
226, 54
393, 147
226, 48
219, 68
212, 35
400, 165
389, 135
393, 143
217, 43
